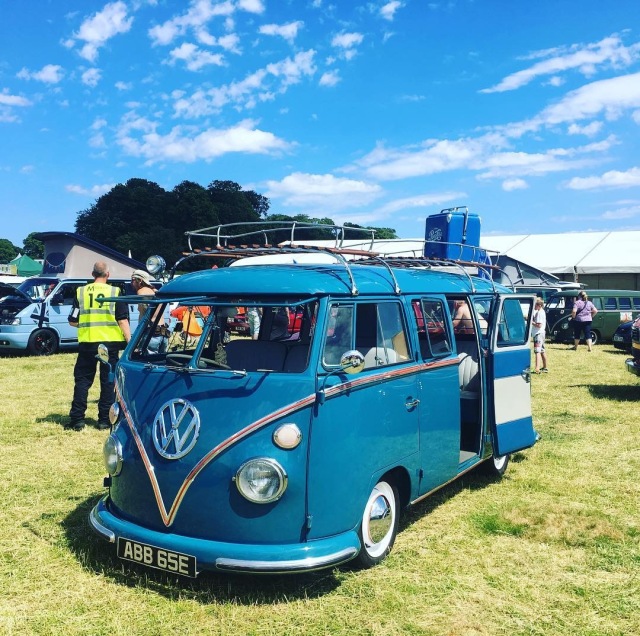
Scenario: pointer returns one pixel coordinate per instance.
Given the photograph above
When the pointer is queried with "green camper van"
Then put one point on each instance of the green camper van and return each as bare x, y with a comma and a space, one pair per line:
614, 306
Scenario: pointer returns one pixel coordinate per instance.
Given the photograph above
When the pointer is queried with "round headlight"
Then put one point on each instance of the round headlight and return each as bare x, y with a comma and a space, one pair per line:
112, 452
114, 413
155, 265
261, 480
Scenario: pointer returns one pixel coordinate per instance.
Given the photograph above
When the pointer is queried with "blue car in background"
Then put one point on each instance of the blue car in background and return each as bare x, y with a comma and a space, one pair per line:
622, 336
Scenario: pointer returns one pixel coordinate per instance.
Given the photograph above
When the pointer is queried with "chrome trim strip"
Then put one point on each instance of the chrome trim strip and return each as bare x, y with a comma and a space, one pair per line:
242, 565
99, 528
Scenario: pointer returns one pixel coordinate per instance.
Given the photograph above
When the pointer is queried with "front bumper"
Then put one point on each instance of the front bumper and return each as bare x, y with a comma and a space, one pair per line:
232, 557
632, 366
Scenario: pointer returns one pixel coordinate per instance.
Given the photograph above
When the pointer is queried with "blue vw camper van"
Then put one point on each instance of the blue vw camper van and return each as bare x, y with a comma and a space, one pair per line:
298, 450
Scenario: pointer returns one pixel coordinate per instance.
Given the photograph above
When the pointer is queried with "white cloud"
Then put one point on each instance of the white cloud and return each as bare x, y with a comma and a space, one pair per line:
388, 10
13, 100
49, 74
138, 137
347, 42
589, 130
612, 179
123, 86
94, 191
514, 184
91, 77
628, 212
287, 31
420, 201
585, 58
251, 6
195, 58
101, 27
261, 85
330, 78
321, 192
197, 16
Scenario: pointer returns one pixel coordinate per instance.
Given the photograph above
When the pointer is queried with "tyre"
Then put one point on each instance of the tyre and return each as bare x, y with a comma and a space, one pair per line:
42, 342
495, 466
595, 337
379, 525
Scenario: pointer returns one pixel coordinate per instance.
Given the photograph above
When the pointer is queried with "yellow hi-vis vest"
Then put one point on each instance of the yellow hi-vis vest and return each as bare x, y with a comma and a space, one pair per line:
97, 321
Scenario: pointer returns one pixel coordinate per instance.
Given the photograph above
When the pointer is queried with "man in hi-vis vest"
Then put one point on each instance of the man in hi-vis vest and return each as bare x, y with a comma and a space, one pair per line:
106, 323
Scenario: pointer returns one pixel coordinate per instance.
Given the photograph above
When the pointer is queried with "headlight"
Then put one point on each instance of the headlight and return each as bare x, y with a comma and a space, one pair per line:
112, 451
261, 480
16, 321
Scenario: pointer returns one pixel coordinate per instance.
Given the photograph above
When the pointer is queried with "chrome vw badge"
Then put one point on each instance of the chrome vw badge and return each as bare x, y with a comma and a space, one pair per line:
176, 429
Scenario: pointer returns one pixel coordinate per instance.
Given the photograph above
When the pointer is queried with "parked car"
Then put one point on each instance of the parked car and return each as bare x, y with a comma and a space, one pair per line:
239, 323
622, 336
633, 364
614, 307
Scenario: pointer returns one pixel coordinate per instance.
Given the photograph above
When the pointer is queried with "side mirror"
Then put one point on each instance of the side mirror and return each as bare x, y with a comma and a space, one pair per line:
350, 362
103, 357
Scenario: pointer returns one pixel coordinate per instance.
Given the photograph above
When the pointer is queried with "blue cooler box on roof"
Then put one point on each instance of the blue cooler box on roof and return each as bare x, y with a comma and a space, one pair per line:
454, 234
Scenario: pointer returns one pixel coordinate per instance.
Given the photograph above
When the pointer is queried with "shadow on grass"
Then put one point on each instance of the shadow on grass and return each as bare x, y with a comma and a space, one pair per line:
475, 479
98, 556
617, 392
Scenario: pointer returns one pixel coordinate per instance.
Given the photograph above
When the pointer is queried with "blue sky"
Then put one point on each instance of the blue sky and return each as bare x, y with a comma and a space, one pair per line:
375, 112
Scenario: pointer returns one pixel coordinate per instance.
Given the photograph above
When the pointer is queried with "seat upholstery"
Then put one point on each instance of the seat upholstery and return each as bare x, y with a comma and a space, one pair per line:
253, 355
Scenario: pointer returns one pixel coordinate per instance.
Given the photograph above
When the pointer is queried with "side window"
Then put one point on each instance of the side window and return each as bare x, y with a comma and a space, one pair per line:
339, 336
377, 330
432, 327
512, 325
624, 303
610, 303
636, 303
68, 293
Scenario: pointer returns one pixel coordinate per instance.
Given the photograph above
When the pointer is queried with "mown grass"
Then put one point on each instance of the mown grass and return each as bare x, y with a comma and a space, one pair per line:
553, 548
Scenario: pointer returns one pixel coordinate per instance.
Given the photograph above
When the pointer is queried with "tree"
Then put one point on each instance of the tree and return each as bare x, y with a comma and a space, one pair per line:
231, 203
32, 247
381, 233
8, 251
259, 202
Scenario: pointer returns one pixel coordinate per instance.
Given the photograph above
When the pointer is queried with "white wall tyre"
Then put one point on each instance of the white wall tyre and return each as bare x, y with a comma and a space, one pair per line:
496, 466
379, 525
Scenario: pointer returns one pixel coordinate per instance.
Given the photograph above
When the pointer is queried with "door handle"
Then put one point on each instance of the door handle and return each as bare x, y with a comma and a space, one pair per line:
411, 404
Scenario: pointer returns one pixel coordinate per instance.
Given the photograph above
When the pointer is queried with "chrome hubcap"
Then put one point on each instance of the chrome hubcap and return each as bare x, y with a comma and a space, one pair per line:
380, 519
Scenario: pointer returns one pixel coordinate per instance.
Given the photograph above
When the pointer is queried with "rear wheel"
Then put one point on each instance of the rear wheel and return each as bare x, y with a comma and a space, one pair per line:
496, 466
42, 342
379, 525
595, 337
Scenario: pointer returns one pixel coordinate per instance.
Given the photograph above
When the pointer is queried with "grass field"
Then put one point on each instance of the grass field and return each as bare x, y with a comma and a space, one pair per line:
553, 548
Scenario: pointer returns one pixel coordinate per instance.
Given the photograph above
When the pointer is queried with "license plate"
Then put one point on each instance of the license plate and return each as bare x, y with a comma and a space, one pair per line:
166, 560
618, 338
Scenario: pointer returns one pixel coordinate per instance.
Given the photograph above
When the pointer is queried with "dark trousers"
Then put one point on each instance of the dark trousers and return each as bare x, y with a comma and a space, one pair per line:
84, 373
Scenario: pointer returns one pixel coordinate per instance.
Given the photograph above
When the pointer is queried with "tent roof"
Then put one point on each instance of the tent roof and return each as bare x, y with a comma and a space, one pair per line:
572, 252
26, 266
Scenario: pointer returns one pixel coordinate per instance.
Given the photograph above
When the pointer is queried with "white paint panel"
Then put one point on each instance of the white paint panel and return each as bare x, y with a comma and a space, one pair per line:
512, 399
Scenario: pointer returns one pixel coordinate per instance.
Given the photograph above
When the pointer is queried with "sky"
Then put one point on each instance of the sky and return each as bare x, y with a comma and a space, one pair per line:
374, 112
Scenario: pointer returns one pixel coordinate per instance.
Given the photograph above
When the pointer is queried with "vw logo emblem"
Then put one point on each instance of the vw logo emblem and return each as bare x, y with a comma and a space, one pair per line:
176, 429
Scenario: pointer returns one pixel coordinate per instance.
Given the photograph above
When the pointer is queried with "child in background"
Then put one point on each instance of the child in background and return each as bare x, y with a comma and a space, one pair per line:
539, 323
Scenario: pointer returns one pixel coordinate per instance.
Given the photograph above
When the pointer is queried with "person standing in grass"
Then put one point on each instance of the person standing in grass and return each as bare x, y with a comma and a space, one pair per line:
97, 322
582, 314
538, 331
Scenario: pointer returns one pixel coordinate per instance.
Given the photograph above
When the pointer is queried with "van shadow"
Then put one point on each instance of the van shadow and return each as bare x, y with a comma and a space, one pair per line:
99, 556
474, 480
617, 392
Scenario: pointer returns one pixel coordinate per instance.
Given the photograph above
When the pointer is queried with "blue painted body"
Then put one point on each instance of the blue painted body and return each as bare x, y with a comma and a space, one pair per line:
366, 426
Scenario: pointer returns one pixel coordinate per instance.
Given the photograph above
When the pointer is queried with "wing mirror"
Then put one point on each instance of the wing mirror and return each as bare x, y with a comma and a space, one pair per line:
351, 362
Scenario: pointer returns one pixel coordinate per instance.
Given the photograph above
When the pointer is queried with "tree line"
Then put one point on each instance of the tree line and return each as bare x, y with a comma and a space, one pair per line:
140, 218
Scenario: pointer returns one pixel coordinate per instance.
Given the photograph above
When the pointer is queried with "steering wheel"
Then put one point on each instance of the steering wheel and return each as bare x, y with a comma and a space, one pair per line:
213, 363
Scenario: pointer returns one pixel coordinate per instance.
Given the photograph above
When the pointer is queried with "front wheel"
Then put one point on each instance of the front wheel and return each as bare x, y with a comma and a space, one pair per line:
595, 337
379, 525
42, 342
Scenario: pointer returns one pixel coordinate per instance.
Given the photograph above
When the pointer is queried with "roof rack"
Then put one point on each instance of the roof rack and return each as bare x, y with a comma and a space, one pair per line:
242, 240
